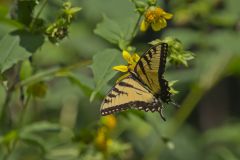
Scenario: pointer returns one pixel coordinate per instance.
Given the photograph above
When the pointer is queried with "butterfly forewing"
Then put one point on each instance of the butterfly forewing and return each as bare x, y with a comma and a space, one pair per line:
151, 67
129, 93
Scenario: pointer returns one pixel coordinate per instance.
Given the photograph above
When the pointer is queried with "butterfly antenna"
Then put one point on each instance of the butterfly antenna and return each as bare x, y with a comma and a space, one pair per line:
175, 104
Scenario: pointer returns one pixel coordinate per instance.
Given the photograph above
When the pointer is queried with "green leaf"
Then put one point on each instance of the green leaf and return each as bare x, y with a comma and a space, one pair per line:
22, 10
26, 70
114, 32
30, 41
40, 127
74, 10
102, 68
82, 82
31, 133
11, 52
10, 136
34, 140
109, 30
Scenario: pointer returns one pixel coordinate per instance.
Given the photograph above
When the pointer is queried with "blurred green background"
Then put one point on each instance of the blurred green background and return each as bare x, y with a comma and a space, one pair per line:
65, 125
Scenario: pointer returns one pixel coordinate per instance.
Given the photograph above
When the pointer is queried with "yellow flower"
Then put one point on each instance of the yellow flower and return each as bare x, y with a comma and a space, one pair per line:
132, 61
109, 121
156, 17
101, 139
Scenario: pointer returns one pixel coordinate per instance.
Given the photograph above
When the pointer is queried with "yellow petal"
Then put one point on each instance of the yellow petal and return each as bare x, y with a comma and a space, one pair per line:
157, 26
144, 26
135, 57
127, 56
131, 67
121, 68
109, 121
167, 15
163, 22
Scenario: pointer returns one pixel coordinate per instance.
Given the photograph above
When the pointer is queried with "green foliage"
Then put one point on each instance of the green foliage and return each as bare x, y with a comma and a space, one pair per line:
59, 29
23, 11
119, 34
56, 62
177, 54
103, 72
13, 52
26, 70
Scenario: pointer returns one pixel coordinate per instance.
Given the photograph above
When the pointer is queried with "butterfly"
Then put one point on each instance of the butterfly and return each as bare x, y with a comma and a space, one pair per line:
145, 88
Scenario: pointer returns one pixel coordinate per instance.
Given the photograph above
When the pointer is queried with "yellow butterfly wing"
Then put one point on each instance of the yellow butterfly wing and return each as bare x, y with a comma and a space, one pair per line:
129, 93
150, 69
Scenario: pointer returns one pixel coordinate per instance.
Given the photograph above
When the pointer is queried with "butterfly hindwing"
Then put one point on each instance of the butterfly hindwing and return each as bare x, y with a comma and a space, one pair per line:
129, 93
150, 69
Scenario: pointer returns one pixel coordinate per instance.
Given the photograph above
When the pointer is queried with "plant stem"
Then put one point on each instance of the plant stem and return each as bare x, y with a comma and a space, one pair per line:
38, 14
21, 119
135, 29
51, 72
3, 113
19, 126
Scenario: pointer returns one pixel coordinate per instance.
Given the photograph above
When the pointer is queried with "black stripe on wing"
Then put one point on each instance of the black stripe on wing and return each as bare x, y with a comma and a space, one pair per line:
165, 94
149, 53
163, 58
139, 105
140, 63
124, 84
147, 57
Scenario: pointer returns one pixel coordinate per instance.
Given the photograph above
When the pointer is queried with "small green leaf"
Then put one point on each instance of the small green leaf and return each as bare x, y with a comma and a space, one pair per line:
40, 127
26, 70
102, 68
10, 136
171, 84
74, 10
11, 52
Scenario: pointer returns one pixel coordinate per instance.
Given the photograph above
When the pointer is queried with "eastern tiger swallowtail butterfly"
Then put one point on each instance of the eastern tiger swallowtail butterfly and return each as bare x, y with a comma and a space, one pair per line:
145, 88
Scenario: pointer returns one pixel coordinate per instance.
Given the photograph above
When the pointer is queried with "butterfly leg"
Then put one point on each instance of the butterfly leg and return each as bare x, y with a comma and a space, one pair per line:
160, 110
161, 114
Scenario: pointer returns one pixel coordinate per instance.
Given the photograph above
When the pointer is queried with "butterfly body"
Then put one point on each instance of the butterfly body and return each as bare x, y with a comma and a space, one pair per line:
145, 88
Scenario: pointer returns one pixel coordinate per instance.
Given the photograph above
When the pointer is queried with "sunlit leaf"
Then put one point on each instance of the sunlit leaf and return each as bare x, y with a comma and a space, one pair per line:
11, 52
102, 68
109, 30
26, 70
115, 32
8, 137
